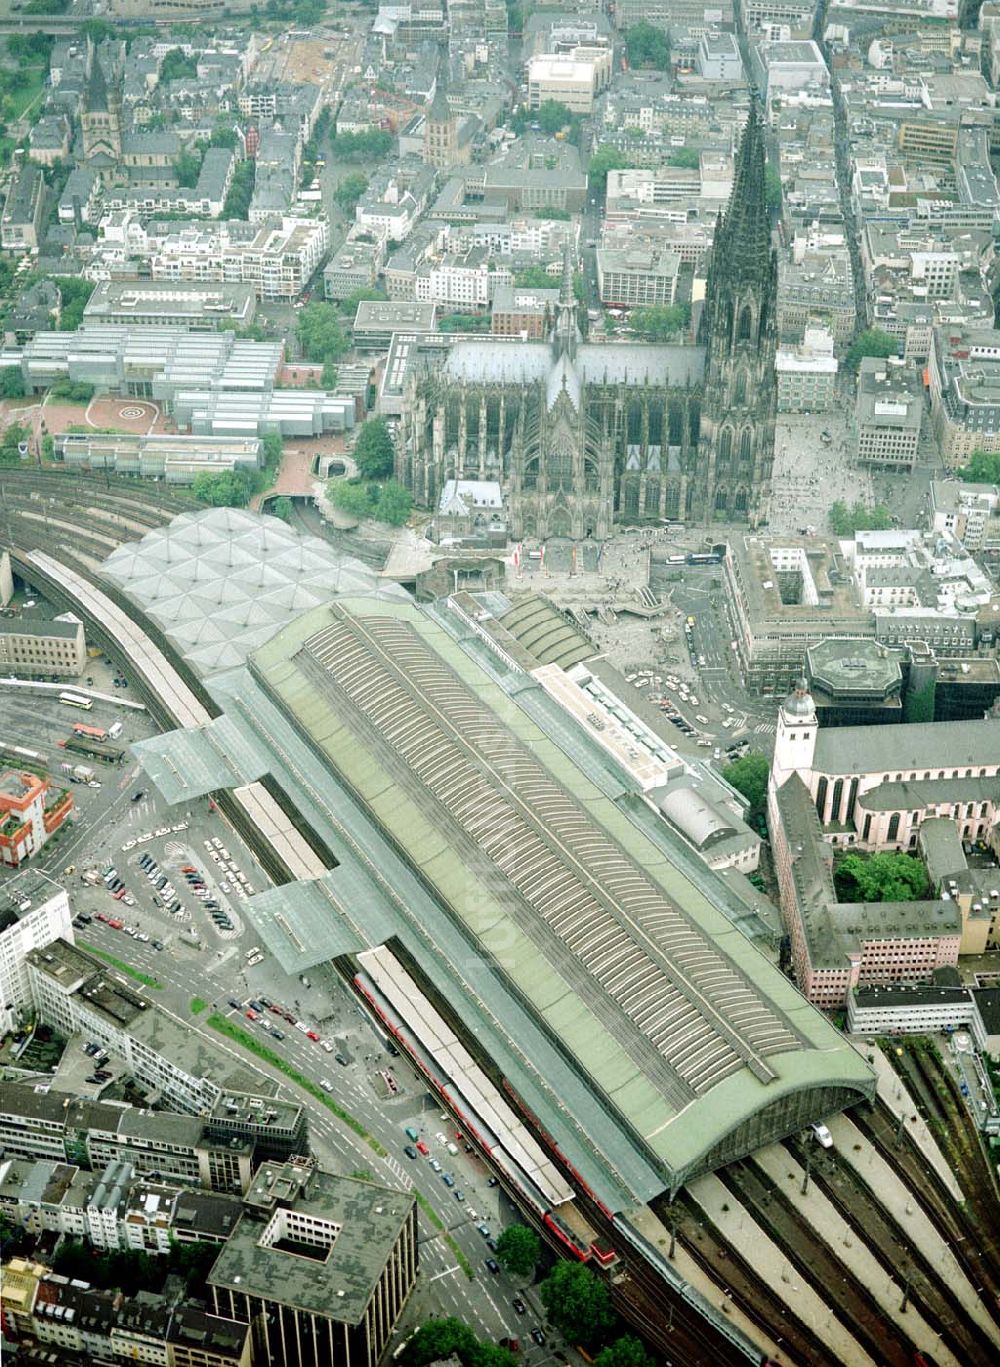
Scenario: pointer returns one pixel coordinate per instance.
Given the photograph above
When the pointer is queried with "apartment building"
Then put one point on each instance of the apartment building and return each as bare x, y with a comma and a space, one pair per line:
23, 210
816, 286
963, 370
355, 266
276, 257
186, 304
463, 282
43, 649
52, 1319
31, 810
968, 512
522, 312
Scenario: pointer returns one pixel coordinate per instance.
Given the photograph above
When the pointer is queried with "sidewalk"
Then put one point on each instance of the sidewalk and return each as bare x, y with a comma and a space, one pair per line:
877, 1174
893, 1092
836, 1233
760, 1251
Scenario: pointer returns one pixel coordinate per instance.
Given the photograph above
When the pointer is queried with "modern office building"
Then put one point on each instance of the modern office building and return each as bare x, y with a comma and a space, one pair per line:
81, 996
60, 1127
43, 649
377, 319
572, 79
963, 370
23, 210
784, 595
807, 373
174, 458
968, 512
171, 304
888, 415
637, 278
319, 1266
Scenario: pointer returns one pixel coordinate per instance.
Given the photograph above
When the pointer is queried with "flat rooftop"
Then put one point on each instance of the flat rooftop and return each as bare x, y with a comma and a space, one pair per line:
366, 1221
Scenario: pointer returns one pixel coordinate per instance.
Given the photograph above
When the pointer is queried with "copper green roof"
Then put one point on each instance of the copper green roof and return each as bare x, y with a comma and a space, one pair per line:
689, 1040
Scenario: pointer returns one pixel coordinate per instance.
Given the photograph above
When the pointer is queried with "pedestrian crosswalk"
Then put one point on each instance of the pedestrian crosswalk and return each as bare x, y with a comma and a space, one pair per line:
765, 728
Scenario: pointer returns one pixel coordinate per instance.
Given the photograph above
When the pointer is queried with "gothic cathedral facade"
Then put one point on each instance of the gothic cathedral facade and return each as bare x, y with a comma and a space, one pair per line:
586, 436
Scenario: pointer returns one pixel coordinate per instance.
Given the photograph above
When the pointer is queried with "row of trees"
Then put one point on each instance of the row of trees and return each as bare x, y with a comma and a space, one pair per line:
983, 468
235, 488
846, 520
660, 323
368, 147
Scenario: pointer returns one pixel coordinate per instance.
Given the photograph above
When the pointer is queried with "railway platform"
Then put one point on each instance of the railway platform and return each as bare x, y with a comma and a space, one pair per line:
880, 1176
857, 1259
745, 1235
893, 1092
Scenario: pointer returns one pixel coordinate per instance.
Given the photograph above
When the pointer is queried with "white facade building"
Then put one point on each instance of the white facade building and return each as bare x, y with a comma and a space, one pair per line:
36, 914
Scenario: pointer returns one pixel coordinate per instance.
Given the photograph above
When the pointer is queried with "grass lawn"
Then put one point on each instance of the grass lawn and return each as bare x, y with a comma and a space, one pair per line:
21, 99
198, 1005
123, 967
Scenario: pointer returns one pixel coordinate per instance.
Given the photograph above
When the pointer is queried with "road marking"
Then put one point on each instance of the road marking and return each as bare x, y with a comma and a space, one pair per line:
446, 1273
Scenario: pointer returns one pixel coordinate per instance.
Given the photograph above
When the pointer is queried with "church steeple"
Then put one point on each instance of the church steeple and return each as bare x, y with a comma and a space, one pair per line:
737, 327
566, 335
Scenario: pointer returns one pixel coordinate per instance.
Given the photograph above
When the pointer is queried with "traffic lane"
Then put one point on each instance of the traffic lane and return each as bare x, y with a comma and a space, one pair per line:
332, 1139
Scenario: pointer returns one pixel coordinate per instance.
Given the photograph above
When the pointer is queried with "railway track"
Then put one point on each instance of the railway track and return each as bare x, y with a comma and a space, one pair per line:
746, 1287
873, 1224
852, 1303
952, 1221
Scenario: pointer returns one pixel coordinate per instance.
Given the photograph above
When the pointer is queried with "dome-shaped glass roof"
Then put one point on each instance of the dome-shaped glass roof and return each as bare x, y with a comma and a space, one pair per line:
221, 582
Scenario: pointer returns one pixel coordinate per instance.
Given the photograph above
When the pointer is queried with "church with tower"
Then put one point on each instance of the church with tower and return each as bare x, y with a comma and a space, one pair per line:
586, 436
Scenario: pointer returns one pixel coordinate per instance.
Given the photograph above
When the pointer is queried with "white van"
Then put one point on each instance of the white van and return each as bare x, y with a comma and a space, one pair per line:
823, 1135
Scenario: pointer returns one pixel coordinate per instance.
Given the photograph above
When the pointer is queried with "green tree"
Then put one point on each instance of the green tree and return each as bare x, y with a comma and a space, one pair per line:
871, 342
880, 878
238, 199
393, 504
983, 468
918, 703
11, 383
443, 1338
351, 496
648, 45
223, 488
660, 321
320, 334
374, 451
578, 1302
370, 146
349, 306
177, 66
328, 378
748, 775
553, 115
273, 448
626, 1351
187, 168
557, 215
281, 507
468, 322
686, 157
223, 135
845, 521
606, 159
74, 295
536, 278
350, 190
518, 1250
